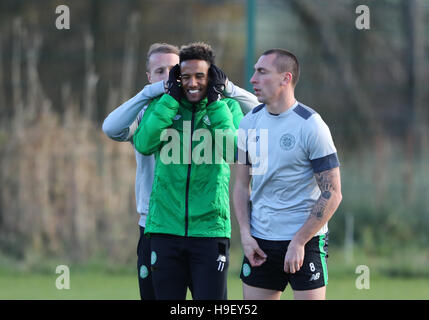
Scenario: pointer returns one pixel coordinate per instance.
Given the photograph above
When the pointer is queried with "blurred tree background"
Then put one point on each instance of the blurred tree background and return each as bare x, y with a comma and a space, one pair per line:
67, 191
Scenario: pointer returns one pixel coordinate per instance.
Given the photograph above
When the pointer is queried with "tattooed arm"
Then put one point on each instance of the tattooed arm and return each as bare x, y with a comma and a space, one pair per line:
330, 186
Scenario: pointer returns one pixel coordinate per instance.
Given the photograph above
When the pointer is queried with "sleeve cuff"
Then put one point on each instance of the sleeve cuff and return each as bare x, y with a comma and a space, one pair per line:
153, 90
325, 163
229, 89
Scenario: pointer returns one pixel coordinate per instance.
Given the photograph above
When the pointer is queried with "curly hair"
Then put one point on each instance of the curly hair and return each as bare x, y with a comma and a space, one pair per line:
197, 51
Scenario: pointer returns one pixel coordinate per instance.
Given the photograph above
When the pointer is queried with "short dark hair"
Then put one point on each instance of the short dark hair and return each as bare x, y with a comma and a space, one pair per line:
285, 62
160, 48
197, 51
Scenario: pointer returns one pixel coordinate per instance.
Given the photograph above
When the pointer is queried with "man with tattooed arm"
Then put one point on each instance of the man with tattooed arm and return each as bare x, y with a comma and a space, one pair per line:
287, 151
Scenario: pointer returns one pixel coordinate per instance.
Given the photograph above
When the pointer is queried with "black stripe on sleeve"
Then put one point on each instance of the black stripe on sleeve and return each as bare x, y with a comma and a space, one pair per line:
325, 163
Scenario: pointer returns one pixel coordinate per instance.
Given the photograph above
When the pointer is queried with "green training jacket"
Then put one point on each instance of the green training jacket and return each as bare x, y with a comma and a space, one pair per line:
190, 197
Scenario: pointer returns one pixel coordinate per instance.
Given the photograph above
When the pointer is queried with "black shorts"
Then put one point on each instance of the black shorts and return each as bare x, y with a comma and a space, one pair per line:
270, 275
200, 264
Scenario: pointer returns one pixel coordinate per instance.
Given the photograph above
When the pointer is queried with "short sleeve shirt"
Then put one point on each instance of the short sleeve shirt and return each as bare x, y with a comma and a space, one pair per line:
284, 152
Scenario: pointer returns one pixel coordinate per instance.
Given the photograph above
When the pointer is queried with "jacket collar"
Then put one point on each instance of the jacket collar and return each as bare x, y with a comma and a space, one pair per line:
198, 106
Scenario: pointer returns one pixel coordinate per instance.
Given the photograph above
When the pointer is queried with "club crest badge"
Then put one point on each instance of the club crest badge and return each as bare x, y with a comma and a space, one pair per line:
246, 270
206, 120
144, 272
287, 141
153, 258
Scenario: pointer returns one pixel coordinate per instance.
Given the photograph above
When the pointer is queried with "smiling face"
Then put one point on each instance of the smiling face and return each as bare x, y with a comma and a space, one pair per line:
159, 66
267, 82
194, 79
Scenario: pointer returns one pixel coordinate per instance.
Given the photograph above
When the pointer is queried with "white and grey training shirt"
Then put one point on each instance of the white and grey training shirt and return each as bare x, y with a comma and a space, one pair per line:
285, 151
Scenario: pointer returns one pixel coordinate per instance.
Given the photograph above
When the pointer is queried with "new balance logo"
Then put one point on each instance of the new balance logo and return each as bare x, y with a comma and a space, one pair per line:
315, 276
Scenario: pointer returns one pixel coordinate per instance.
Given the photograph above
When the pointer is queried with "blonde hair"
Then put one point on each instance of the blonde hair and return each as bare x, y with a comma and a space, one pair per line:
160, 48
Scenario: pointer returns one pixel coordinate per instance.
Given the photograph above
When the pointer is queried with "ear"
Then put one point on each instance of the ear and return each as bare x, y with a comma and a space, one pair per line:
287, 78
148, 76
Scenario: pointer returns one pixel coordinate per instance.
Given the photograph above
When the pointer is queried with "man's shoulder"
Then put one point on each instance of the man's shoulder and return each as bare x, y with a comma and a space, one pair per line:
311, 124
255, 112
308, 117
252, 116
148, 108
304, 112
257, 109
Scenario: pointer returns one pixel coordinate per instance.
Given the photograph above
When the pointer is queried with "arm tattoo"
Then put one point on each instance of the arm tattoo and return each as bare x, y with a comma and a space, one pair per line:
324, 180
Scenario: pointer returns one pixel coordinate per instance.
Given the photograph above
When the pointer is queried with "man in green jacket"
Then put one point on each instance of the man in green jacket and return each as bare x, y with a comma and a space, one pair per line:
191, 130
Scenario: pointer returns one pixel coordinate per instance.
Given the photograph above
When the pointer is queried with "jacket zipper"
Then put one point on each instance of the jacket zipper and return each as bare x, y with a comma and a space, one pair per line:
189, 174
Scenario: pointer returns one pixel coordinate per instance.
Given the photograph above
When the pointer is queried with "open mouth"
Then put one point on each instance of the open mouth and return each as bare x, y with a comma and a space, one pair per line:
194, 91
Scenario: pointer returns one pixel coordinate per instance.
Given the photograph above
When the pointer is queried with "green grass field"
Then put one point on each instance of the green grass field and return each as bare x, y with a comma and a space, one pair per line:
401, 277
107, 286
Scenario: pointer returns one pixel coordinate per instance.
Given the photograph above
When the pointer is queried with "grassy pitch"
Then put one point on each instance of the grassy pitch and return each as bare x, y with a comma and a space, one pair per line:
107, 286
